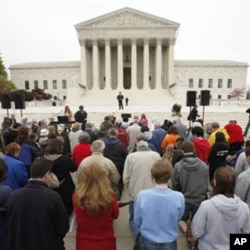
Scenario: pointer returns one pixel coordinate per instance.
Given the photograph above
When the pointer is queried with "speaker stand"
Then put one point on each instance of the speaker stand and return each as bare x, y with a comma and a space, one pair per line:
7, 110
203, 113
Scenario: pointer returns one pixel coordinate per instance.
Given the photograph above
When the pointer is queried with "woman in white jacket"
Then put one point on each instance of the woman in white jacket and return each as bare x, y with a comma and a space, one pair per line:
222, 215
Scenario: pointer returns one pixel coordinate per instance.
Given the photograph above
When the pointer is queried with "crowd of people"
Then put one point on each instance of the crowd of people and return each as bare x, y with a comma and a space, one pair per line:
194, 180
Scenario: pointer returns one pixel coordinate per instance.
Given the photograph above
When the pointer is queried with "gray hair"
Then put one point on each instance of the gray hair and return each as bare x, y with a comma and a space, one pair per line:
98, 146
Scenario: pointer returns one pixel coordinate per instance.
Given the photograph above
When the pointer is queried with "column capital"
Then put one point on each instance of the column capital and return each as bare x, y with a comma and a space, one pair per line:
107, 41
95, 42
119, 41
83, 42
158, 41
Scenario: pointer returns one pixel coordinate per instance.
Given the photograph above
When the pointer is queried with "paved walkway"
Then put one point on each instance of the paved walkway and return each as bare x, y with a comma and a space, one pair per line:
124, 237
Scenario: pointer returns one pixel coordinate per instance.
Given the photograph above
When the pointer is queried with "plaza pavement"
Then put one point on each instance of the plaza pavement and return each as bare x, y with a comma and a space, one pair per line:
124, 238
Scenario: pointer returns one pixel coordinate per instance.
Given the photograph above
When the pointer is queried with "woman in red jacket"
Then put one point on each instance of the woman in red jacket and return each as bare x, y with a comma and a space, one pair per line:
95, 207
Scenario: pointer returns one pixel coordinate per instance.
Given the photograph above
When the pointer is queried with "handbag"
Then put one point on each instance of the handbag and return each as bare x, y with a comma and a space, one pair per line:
53, 181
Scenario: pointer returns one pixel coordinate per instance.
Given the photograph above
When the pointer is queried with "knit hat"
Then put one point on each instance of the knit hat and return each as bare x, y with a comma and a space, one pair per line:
44, 132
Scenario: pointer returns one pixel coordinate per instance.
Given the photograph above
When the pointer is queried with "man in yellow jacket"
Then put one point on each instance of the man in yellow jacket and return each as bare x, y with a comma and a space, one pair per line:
215, 127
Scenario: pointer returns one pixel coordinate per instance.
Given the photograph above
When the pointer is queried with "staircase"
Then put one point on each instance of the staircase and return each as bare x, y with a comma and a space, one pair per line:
96, 114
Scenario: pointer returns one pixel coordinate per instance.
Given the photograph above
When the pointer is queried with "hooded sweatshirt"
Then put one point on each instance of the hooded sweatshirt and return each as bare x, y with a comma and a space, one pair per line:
191, 178
217, 218
202, 148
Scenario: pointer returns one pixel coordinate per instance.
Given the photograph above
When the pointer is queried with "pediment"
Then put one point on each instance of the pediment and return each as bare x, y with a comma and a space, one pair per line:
127, 17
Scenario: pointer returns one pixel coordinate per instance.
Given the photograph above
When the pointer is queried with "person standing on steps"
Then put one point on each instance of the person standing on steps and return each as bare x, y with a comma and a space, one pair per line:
120, 100
81, 116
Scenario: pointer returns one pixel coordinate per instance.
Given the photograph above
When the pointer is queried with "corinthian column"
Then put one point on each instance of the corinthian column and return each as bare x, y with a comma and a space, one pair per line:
83, 65
170, 65
107, 65
120, 64
158, 64
134, 64
95, 72
146, 64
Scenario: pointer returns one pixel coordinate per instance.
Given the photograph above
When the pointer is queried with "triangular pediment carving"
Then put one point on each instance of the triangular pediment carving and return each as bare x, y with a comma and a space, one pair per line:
127, 17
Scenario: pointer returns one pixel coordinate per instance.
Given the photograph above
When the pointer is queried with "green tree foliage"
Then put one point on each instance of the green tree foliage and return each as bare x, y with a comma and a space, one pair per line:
6, 86
3, 72
28, 96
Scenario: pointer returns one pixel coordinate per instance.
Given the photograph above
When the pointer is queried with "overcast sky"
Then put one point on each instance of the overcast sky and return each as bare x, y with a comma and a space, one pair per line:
43, 30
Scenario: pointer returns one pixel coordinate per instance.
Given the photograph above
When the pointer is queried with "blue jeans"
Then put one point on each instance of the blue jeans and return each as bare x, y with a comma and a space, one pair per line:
148, 245
135, 230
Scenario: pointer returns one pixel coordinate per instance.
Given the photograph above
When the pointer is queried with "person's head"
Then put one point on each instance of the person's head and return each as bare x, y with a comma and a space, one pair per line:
118, 123
179, 141
144, 128
66, 108
136, 118
81, 107
12, 149
143, 116
40, 168
161, 171
173, 130
169, 151
232, 121
55, 147
94, 192
3, 170
113, 132
97, 146
224, 181
106, 118
247, 152
197, 131
89, 125
247, 143
187, 147
76, 126
17, 126
220, 138
125, 119
84, 137
141, 137
44, 132
214, 126
23, 132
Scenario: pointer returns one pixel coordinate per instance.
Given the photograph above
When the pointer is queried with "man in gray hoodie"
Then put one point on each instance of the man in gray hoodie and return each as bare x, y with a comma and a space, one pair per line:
191, 178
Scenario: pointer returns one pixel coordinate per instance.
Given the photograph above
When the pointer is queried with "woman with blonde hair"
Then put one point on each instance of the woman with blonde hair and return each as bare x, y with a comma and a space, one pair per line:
68, 112
95, 207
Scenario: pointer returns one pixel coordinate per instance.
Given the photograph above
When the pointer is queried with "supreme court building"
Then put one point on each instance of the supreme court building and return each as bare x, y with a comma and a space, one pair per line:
133, 52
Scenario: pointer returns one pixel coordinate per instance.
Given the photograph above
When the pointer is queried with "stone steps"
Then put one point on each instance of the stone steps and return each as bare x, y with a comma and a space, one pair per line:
96, 114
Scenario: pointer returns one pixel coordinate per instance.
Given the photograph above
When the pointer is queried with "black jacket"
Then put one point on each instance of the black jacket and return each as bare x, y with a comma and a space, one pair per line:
36, 218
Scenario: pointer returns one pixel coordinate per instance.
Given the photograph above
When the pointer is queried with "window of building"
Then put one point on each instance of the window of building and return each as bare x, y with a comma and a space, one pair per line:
229, 83
210, 83
45, 84
191, 83
35, 84
64, 84
200, 84
27, 85
220, 83
54, 84
219, 96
